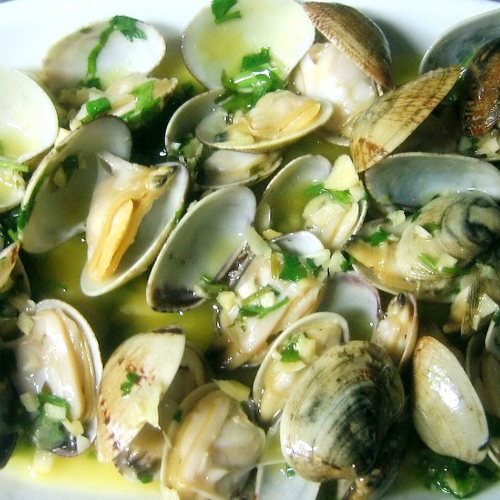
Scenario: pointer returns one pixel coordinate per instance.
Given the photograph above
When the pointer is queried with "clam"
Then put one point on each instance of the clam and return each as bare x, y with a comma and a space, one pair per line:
29, 124
214, 42
143, 383
290, 356
426, 253
279, 283
101, 53
201, 247
447, 412
58, 371
135, 98
327, 200
397, 330
213, 168
214, 446
132, 211
277, 119
339, 413
66, 178
350, 70
354, 298
396, 114
410, 180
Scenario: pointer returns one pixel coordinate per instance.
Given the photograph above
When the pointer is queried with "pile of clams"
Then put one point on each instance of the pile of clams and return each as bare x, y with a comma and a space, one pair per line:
352, 289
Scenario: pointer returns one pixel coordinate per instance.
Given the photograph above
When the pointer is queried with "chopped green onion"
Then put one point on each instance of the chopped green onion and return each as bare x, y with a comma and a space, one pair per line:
95, 108
13, 165
221, 8
146, 108
44, 398
428, 262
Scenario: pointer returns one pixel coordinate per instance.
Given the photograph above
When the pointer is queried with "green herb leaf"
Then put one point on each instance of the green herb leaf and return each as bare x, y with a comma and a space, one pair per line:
378, 237
221, 8
146, 108
428, 262
127, 26
44, 398
261, 311
290, 353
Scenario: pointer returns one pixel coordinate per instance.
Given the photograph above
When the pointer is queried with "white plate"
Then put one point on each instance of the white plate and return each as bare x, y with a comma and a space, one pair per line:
28, 27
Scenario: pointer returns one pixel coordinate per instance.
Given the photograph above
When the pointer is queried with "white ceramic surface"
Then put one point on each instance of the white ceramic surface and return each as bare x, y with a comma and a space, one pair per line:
28, 27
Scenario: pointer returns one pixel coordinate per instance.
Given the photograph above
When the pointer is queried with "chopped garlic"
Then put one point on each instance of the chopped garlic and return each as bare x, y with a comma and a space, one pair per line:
55, 412
422, 232
82, 444
227, 300
343, 175
306, 347
397, 217
74, 427
336, 262
234, 388
25, 323
30, 401
446, 260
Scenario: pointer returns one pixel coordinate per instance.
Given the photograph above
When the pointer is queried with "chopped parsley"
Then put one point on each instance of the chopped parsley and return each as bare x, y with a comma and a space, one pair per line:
257, 76
346, 265
342, 196
127, 27
146, 107
252, 305
221, 8
294, 268
378, 237
126, 387
290, 353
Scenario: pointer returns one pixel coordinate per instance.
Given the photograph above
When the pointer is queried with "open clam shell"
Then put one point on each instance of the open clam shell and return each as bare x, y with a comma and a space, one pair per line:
309, 193
410, 180
458, 43
29, 123
158, 193
291, 355
59, 365
214, 168
209, 236
66, 178
143, 383
210, 48
105, 51
277, 120
356, 35
227, 447
396, 114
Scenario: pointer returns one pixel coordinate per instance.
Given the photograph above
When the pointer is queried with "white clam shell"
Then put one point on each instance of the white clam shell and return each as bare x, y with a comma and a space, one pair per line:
209, 48
447, 412
28, 123
65, 64
207, 238
46, 220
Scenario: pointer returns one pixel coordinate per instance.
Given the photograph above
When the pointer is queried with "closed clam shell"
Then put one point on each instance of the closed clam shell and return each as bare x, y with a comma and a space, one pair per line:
339, 412
447, 412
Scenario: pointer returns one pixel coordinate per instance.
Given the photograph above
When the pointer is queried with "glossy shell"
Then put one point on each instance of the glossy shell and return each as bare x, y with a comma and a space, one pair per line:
203, 244
130, 46
353, 382
59, 352
291, 355
156, 195
29, 122
447, 412
65, 178
209, 48
356, 35
396, 114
